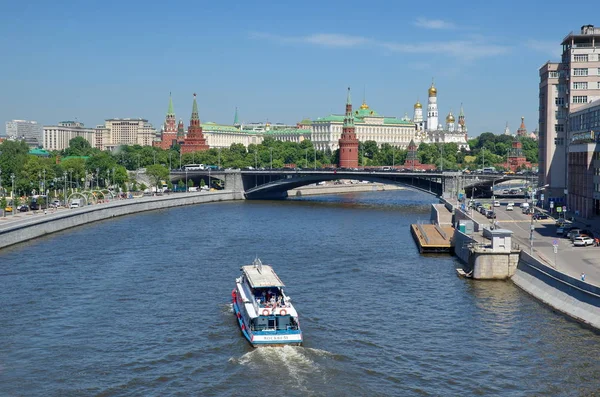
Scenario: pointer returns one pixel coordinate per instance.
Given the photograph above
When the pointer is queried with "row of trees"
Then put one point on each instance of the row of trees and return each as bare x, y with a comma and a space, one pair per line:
81, 165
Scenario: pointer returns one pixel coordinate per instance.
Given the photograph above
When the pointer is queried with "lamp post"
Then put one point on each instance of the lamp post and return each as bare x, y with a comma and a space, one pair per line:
315, 152
71, 179
186, 181
113, 175
85, 181
98, 178
65, 187
12, 193
306, 158
39, 182
393, 157
271, 152
44, 185
1, 182
219, 161
209, 179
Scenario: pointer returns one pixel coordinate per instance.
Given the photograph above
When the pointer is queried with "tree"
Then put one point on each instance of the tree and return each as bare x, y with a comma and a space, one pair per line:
370, 149
157, 173
78, 146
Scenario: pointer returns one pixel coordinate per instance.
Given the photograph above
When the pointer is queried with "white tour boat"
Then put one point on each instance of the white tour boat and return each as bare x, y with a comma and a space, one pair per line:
263, 311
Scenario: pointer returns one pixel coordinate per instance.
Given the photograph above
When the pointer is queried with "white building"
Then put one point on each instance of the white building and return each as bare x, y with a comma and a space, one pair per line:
117, 132
57, 137
431, 131
223, 136
370, 126
29, 131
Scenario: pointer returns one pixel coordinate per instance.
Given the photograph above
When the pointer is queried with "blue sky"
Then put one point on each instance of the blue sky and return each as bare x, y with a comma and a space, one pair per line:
280, 61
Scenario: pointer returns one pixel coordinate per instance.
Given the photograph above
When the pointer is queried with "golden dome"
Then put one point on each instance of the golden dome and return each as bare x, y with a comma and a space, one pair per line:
364, 105
432, 90
418, 105
450, 118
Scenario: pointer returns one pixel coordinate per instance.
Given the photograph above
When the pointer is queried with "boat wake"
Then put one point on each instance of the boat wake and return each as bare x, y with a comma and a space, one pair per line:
288, 362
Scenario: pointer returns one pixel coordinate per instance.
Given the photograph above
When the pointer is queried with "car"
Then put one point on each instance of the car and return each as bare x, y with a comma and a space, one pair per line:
572, 232
575, 235
509, 207
560, 230
496, 203
23, 208
34, 206
540, 215
583, 241
490, 215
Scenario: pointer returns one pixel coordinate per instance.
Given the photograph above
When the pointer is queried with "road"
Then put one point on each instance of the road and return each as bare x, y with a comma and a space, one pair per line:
569, 259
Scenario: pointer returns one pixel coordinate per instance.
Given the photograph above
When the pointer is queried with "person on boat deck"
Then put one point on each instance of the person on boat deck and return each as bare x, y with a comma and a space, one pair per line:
264, 297
279, 301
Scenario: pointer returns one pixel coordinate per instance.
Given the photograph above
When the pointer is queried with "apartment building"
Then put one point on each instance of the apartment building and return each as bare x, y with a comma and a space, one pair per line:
117, 132
564, 88
57, 137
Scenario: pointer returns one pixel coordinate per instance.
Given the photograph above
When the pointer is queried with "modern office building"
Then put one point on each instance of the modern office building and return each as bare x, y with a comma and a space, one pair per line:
29, 131
117, 132
564, 88
57, 137
583, 161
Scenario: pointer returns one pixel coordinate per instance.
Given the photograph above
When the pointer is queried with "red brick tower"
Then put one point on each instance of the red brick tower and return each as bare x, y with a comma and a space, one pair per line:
169, 133
515, 158
194, 141
348, 142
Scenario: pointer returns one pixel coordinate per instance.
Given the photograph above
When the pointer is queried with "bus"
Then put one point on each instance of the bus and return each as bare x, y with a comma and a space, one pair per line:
194, 167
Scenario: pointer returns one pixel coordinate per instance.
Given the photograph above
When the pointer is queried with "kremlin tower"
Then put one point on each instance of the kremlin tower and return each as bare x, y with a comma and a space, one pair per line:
348, 143
169, 133
432, 111
462, 126
522, 131
195, 140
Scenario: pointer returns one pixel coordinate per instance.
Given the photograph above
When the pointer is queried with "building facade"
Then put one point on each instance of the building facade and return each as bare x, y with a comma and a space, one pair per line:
57, 137
117, 132
565, 87
29, 131
583, 161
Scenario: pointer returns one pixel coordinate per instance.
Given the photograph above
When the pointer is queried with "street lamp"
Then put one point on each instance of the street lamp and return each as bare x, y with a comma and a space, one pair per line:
71, 179
12, 193
306, 158
44, 185
39, 182
219, 162
98, 176
113, 176
271, 151
186, 180
315, 151
65, 187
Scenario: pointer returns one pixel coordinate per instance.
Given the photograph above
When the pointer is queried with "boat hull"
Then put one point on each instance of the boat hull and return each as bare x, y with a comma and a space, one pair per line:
275, 339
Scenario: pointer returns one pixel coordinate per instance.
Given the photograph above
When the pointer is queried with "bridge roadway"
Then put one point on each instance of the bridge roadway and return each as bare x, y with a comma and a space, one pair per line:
569, 259
274, 183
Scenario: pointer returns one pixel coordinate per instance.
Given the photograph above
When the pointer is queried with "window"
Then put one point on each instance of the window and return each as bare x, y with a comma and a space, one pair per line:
580, 99
580, 72
559, 114
559, 127
559, 101
580, 58
580, 85
560, 88
553, 74
559, 141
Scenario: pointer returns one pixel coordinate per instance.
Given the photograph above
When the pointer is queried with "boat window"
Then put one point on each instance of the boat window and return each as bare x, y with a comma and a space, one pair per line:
283, 322
271, 323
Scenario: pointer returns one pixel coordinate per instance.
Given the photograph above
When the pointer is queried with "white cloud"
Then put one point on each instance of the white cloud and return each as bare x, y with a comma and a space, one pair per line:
322, 39
467, 49
433, 24
551, 48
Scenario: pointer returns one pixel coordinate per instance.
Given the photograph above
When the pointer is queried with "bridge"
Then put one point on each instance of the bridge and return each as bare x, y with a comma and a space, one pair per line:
275, 183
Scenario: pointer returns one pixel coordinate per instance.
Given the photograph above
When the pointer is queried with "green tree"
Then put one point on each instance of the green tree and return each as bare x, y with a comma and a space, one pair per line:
78, 146
370, 149
157, 173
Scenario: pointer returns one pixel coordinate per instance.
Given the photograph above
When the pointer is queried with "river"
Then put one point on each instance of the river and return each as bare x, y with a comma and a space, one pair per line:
140, 306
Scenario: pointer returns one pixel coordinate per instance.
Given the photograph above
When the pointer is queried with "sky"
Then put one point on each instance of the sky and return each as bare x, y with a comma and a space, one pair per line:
277, 61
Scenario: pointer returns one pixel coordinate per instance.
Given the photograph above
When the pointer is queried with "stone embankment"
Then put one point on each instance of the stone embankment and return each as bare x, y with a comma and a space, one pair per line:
27, 226
341, 188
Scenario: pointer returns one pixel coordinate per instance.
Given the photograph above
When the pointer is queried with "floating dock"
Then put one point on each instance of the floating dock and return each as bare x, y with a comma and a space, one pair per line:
433, 238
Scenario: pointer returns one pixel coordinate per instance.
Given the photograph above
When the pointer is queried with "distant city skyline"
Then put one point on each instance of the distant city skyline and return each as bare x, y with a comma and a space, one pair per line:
280, 63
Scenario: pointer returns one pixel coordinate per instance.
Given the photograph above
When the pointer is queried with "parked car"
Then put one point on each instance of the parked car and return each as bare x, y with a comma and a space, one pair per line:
496, 203
572, 232
583, 241
509, 207
560, 230
34, 206
540, 215
490, 214
23, 208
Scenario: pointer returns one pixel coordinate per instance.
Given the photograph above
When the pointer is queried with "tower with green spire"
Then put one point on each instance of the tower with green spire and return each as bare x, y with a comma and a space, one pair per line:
236, 121
194, 140
348, 144
169, 133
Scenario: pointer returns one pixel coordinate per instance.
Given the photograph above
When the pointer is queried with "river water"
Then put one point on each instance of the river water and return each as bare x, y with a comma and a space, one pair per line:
140, 306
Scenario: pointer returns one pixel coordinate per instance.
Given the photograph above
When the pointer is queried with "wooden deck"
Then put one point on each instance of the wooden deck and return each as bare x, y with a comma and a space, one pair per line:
433, 238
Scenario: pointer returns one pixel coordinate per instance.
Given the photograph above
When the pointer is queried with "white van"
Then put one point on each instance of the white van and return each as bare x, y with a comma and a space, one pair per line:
75, 203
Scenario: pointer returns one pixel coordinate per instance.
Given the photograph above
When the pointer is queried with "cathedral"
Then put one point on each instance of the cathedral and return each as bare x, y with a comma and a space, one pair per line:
432, 131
